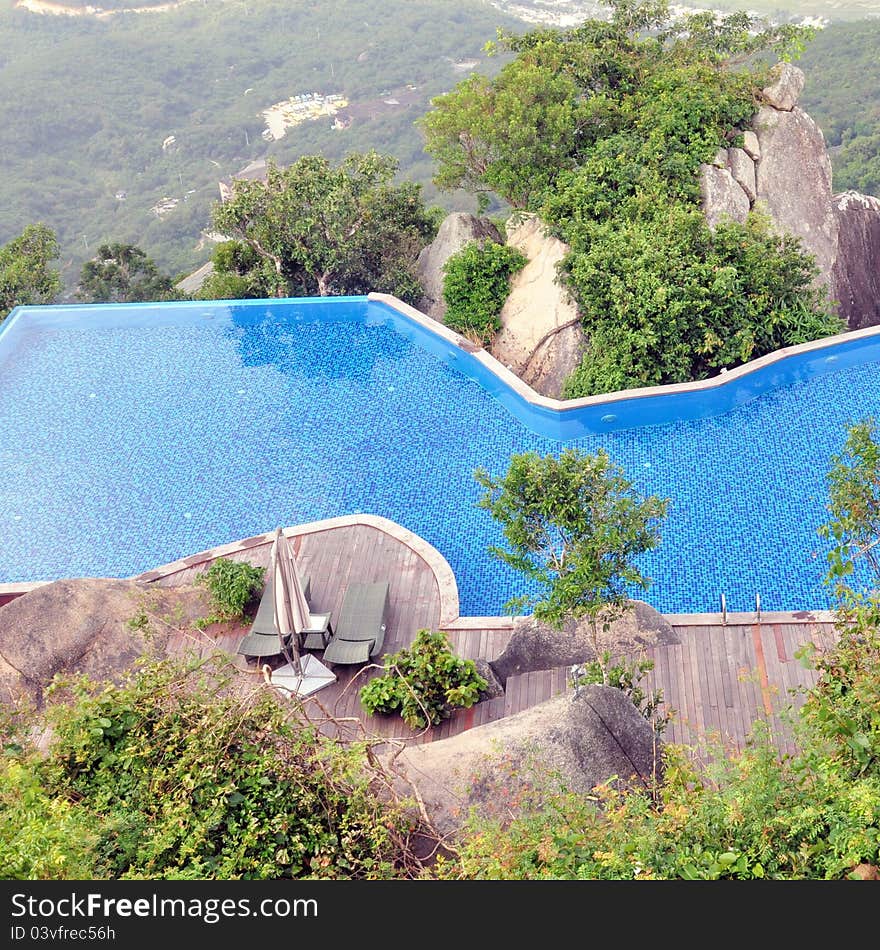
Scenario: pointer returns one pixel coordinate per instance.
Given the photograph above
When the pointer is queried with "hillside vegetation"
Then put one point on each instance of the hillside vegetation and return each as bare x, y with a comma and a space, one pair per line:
87, 105
842, 94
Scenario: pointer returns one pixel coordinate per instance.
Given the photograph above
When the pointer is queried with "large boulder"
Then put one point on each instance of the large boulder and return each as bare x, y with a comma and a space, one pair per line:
742, 167
538, 646
784, 90
582, 740
794, 182
541, 338
856, 274
85, 626
456, 230
723, 198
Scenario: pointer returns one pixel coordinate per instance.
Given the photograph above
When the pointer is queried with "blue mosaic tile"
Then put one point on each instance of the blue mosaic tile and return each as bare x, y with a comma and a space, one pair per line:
127, 446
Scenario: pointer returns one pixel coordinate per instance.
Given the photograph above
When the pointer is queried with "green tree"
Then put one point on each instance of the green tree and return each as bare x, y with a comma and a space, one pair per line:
25, 273
576, 525
122, 273
854, 505
320, 229
238, 273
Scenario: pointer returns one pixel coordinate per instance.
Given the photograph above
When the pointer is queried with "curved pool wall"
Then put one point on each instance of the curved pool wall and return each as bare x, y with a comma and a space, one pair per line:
131, 435
633, 408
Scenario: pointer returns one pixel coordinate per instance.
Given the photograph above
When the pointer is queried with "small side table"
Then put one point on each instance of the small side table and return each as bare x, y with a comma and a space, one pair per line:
317, 636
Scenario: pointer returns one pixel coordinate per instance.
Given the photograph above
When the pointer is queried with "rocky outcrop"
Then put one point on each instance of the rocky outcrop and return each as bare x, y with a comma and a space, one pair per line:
742, 168
784, 90
538, 646
582, 741
723, 197
856, 273
541, 338
751, 145
84, 626
783, 168
494, 687
456, 230
794, 182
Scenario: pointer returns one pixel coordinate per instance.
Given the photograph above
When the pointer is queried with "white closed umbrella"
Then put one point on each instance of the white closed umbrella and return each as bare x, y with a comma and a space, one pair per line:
301, 675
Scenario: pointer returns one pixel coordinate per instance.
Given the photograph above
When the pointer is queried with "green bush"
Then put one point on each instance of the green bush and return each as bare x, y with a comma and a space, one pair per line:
425, 683
176, 774
233, 586
475, 286
664, 299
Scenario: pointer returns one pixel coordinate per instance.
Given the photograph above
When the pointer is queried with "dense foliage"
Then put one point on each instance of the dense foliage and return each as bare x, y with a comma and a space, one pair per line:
854, 506
317, 229
576, 525
174, 776
425, 682
842, 94
601, 130
233, 586
26, 274
476, 283
122, 273
665, 299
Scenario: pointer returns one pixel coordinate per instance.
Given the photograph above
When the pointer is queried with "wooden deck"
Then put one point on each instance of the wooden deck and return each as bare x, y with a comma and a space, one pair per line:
719, 679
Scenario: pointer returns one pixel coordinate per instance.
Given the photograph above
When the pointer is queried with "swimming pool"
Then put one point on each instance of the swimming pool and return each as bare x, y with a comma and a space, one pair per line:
132, 435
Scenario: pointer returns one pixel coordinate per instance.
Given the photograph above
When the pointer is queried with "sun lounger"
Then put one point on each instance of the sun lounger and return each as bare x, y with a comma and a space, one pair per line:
360, 631
262, 639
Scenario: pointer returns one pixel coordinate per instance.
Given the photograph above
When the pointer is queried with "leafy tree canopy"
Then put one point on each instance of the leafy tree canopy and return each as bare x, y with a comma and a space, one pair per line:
317, 229
26, 276
854, 506
122, 273
601, 131
575, 524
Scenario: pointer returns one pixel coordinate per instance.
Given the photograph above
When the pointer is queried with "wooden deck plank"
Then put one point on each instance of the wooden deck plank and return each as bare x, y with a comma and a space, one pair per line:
749, 697
697, 684
713, 648
748, 701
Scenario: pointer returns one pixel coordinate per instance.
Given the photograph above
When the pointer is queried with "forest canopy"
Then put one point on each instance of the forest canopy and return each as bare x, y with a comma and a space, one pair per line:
87, 104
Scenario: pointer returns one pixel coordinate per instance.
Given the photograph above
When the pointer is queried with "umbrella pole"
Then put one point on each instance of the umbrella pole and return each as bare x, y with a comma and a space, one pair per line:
291, 655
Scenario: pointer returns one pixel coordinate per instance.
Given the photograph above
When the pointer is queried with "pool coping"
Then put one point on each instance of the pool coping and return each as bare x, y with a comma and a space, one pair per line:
532, 396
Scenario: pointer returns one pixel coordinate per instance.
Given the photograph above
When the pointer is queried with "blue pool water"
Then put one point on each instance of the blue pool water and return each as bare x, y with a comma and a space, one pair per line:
134, 435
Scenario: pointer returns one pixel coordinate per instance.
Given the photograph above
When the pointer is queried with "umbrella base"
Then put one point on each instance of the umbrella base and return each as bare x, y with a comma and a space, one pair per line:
314, 676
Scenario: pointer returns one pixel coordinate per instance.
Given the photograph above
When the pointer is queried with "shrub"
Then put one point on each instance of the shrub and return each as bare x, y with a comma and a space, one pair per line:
425, 683
626, 675
178, 774
232, 585
476, 285
664, 299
